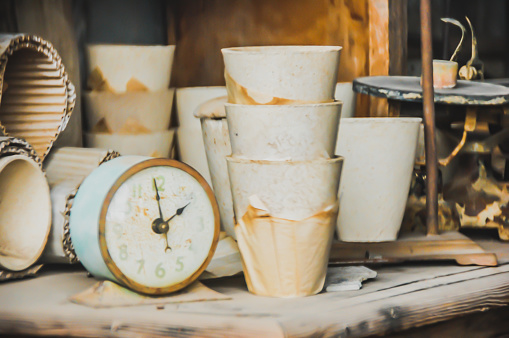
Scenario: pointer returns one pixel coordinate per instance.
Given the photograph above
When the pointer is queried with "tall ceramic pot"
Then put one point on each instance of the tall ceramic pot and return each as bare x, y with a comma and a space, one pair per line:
380, 154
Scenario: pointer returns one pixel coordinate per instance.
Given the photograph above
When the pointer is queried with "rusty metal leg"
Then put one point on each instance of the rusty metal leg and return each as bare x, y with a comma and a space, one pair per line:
394, 108
429, 120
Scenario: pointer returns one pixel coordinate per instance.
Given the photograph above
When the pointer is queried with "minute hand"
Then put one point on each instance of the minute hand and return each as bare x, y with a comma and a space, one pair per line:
158, 199
178, 213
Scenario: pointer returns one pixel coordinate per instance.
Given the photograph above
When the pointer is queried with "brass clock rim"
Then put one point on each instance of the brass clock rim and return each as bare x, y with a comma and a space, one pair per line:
155, 162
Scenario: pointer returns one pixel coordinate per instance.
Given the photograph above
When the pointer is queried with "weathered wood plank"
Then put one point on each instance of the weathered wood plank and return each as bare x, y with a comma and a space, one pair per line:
490, 323
408, 306
413, 294
387, 44
450, 245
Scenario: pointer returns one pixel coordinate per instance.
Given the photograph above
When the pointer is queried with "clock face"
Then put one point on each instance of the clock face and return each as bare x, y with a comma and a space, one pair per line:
159, 227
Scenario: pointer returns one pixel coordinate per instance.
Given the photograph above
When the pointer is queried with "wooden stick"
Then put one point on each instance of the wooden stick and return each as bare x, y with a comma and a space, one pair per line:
429, 120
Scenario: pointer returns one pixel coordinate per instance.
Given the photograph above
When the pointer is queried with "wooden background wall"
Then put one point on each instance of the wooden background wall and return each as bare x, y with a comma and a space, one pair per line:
372, 33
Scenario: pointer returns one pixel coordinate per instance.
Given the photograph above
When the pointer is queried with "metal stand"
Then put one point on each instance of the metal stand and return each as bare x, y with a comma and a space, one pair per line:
429, 120
432, 246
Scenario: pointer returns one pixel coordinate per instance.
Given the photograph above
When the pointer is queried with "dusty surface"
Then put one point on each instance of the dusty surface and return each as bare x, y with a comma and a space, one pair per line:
408, 88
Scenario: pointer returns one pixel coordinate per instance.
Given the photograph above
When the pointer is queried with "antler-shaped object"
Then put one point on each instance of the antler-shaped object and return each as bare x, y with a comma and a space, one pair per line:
474, 69
463, 31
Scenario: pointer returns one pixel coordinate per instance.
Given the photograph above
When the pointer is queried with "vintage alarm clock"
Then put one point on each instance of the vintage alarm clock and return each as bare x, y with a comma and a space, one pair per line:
149, 224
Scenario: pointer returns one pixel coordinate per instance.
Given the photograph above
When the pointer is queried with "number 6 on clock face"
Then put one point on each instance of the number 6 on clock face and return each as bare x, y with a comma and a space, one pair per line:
151, 213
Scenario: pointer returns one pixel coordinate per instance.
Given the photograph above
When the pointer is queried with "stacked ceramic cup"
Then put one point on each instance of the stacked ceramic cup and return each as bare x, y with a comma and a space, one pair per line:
283, 123
128, 107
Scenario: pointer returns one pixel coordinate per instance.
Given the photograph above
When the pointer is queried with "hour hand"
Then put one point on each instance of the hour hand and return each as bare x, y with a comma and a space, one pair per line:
178, 212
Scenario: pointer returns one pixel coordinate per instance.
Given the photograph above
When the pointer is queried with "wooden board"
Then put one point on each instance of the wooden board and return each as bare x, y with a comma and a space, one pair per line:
408, 88
387, 45
414, 247
401, 297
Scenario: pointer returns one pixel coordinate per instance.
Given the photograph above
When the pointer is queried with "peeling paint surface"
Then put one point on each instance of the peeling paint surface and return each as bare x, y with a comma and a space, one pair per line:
408, 88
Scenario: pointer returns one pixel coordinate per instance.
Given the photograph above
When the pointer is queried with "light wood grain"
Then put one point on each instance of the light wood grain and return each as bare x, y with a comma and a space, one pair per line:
399, 298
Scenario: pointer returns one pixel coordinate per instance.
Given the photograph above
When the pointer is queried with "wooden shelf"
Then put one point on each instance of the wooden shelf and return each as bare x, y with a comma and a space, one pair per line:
400, 298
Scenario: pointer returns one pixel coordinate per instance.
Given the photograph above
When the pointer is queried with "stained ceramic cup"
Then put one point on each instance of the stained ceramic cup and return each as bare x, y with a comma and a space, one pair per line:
120, 68
281, 74
445, 74
292, 190
149, 110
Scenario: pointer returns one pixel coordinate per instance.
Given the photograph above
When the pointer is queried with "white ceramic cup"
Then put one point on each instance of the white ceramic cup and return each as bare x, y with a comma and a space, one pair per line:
379, 160
292, 190
150, 66
281, 74
344, 93
190, 98
272, 132
445, 74
190, 140
192, 150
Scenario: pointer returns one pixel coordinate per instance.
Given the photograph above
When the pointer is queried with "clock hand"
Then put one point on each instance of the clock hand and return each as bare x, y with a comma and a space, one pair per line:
167, 244
158, 199
159, 226
177, 213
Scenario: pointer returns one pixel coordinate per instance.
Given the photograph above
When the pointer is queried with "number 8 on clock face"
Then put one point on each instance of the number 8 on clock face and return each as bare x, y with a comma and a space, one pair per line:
149, 224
